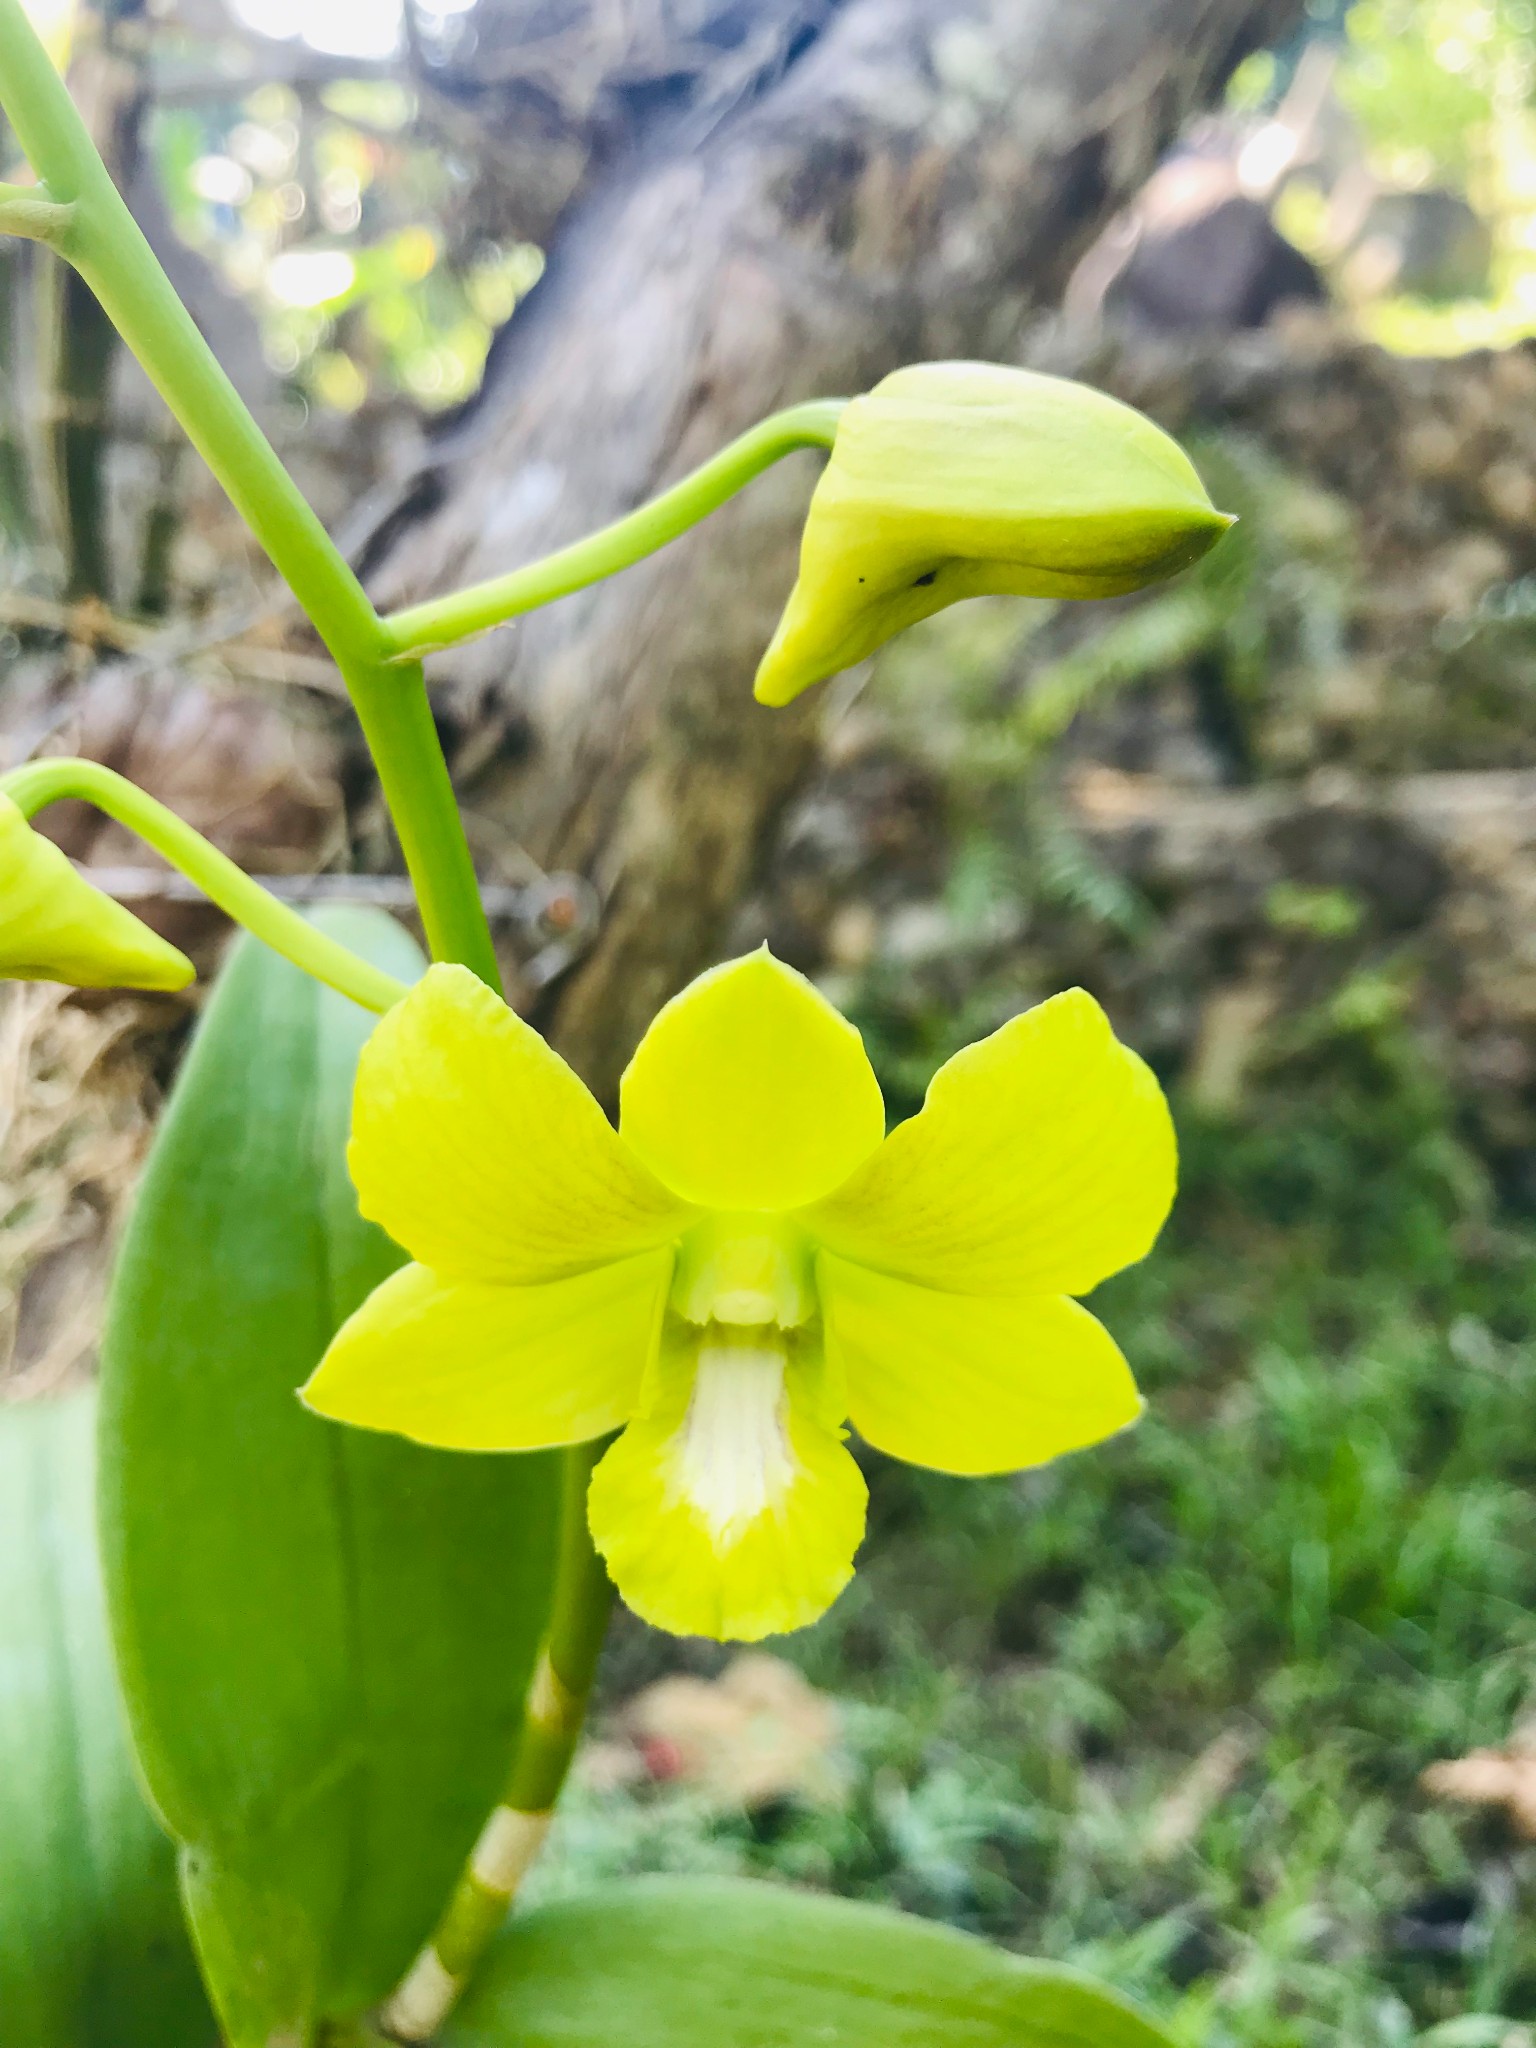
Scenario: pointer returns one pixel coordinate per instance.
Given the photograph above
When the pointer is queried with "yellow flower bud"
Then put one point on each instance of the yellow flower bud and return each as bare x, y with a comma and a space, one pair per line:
55, 927
953, 480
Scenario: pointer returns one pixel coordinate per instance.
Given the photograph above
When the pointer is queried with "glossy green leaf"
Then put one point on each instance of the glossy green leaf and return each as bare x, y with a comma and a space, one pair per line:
324, 1635
722, 1963
93, 1949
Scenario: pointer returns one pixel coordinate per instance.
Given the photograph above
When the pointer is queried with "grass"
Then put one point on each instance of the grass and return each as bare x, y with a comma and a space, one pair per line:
1161, 1709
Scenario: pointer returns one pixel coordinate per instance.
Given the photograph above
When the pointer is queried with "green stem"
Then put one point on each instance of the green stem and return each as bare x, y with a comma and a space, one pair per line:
38, 783
100, 237
397, 723
578, 1622
445, 621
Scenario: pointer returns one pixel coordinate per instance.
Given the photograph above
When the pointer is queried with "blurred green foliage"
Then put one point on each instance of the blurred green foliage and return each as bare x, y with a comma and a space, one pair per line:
1432, 81
1440, 94
327, 213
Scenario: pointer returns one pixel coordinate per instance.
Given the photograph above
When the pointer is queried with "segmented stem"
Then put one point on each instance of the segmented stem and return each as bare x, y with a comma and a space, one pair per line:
514, 1834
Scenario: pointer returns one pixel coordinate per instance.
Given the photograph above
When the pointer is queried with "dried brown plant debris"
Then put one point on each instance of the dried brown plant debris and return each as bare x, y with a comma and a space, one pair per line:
1493, 1777
77, 1098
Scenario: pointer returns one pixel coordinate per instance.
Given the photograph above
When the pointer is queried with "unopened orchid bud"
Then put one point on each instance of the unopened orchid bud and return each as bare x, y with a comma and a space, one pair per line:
953, 480
54, 926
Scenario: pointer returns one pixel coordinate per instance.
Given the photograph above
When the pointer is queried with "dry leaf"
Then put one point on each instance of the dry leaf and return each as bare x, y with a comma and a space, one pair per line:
76, 1106
1493, 1777
1177, 1819
757, 1733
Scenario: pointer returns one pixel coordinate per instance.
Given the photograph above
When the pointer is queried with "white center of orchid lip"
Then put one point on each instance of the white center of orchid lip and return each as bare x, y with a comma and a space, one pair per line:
734, 1454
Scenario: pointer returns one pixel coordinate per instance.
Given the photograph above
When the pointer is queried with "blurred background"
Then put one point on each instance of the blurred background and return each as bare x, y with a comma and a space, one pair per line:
1240, 1711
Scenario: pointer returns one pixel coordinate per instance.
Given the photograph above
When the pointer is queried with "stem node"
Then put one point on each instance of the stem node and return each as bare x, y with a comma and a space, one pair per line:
32, 214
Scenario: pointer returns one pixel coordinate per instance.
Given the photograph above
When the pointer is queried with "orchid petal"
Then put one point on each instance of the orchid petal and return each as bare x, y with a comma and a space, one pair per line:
482, 1368
749, 1091
1042, 1161
479, 1151
971, 1383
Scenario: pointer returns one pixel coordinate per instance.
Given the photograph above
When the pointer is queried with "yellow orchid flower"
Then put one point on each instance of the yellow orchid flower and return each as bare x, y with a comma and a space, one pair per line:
54, 926
952, 480
746, 1262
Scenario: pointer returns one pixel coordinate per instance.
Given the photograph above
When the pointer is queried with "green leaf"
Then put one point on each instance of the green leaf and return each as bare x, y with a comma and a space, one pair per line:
673, 1962
93, 1949
324, 1635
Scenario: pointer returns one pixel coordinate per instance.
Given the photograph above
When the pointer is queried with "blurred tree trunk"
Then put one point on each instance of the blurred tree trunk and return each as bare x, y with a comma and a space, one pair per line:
911, 183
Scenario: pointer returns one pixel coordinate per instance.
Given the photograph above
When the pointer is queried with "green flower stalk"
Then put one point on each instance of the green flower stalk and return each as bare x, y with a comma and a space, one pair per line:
954, 480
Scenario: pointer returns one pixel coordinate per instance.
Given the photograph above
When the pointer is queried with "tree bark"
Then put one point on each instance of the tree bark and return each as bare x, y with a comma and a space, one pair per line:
911, 185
